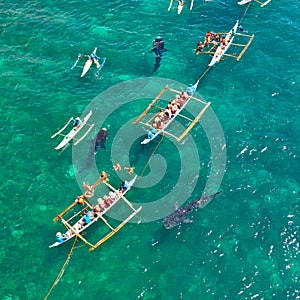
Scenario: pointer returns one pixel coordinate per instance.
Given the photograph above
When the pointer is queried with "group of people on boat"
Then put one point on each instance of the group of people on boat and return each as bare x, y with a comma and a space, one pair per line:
165, 115
97, 209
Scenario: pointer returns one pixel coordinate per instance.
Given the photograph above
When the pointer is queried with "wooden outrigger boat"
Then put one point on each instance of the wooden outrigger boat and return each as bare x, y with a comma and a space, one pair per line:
219, 49
161, 120
262, 4
74, 131
90, 214
92, 58
180, 5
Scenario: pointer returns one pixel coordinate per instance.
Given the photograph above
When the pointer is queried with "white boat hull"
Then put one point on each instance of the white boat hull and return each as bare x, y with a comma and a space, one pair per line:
243, 2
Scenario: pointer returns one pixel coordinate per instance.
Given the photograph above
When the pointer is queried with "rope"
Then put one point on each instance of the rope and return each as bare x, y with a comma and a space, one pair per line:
152, 156
203, 74
62, 270
245, 12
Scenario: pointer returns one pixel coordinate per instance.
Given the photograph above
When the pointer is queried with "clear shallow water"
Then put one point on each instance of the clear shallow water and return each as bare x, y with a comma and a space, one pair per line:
244, 244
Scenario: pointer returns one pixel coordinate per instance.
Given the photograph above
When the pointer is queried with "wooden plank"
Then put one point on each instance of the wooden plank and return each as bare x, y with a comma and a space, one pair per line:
153, 102
194, 122
246, 47
109, 235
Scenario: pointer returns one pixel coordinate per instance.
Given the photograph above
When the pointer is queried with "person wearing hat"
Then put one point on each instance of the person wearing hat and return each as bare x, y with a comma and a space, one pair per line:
190, 90
76, 123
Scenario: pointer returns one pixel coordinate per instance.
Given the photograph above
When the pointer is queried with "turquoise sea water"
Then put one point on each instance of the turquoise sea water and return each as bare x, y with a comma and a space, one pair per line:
244, 244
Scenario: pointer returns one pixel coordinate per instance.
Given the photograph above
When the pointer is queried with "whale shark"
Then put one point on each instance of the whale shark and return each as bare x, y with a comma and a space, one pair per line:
158, 48
180, 214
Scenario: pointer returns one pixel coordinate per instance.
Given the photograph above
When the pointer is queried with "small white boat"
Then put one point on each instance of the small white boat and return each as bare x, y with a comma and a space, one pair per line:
221, 50
95, 216
71, 135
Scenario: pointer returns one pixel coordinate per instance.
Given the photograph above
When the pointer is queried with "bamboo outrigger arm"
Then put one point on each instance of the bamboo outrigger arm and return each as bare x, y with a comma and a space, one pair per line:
100, 216
262, 4
62, 129
102, 178
194, 122
245, 48
59, 216
152, 103
118, 192
109, 235
76, 233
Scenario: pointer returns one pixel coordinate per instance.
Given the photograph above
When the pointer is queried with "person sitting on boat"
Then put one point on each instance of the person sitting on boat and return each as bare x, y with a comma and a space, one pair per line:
190, 90
180, 2
60, 237
124, 186
87, 218
80, 199
151, 133
101, 204
76, 123
95, 58
112, 195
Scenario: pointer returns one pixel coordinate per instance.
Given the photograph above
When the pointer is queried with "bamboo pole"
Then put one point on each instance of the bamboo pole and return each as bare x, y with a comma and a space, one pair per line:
62, 129
170, 134
109, 235
118, 193
194, 122
100, 216
153, 102
59, 216
91, 126
75, 232
185, 117
246, 47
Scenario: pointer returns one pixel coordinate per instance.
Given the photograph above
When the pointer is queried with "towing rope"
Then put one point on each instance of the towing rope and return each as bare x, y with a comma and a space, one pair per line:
152, 155
62, 270
245, 12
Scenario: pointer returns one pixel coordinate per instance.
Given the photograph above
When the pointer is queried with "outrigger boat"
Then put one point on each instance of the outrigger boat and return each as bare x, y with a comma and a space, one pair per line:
219, 49
90, 214
77, 126
161, 120
180, 5
92, 58
262, 4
